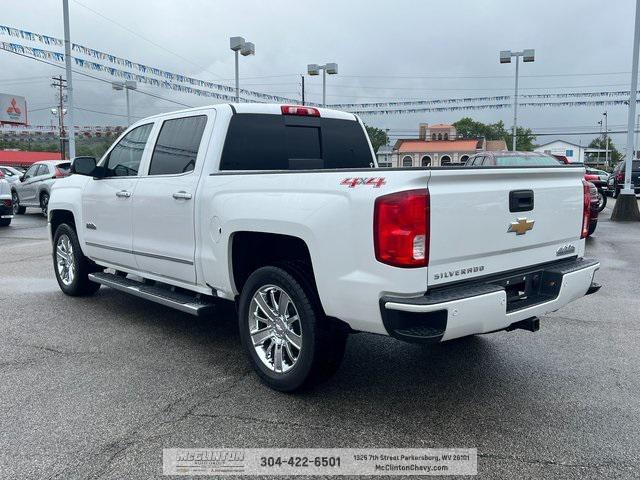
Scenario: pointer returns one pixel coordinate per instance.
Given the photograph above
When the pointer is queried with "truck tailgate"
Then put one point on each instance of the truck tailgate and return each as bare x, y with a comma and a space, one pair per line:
471, 220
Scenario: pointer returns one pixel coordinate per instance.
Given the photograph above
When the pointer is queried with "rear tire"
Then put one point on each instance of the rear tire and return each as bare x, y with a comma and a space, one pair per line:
616, 193
17, 209
279, 312
5, 222
44, 203
70, 265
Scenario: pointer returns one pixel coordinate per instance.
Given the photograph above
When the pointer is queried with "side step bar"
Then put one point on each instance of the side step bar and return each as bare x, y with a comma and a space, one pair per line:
188, 303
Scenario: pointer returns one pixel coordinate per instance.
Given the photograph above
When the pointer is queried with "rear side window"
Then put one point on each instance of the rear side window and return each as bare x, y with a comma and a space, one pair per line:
177, 145
65, 168
526, 161
283, 142
124, 159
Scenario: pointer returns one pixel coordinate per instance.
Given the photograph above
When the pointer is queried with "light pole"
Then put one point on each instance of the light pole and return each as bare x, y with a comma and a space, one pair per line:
505, 57
626, 207
238, 45
330, 68
126, 86
67, 61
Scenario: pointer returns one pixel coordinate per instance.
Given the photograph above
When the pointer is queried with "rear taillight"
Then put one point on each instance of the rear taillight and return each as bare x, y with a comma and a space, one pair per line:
586, 209
620, 177
401, 228
300, 111
1, 174
7, 203
590, 177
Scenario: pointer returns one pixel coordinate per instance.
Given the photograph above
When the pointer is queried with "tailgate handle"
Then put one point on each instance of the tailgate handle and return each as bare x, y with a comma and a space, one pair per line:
520, 200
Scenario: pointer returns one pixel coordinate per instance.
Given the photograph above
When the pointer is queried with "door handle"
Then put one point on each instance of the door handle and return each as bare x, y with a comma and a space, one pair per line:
182, 195
123, 194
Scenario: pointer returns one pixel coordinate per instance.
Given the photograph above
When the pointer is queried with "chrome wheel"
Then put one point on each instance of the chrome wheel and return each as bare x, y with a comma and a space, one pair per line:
65, 260
275, 328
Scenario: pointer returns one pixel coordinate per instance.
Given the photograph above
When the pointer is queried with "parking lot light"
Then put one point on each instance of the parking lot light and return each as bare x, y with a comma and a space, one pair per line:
313, 69
528, 55
239, 45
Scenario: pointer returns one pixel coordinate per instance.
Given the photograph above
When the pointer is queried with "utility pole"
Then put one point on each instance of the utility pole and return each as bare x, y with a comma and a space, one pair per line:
606, 139
302, 77
599, 123
67, 61
60, 84
626, 207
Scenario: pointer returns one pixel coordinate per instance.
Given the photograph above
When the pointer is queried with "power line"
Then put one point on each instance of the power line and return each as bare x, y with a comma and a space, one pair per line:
92, 76
133, 32
455, 76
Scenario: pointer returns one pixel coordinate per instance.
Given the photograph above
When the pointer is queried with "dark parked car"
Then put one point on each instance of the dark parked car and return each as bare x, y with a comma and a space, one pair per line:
615, 182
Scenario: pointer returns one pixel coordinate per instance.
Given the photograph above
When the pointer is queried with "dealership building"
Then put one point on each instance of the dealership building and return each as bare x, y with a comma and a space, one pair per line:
436, 145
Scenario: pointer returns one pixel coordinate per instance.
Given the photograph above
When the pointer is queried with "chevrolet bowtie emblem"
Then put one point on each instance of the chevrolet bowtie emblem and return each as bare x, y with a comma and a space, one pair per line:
521, 226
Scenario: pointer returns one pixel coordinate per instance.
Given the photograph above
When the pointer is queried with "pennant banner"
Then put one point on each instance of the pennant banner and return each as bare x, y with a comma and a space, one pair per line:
478, 99
397, 111
52, 130
139, 68
116, 72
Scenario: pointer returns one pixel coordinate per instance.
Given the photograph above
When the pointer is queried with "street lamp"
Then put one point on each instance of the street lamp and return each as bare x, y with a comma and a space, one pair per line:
126, 86
505, 57
330, 68
238, 45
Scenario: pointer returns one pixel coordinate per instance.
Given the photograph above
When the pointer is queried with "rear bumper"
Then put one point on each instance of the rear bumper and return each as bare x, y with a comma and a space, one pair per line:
489, 305
6, 211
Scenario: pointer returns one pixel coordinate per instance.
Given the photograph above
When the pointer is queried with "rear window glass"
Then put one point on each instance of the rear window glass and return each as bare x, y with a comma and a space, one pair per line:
177, 145
284, 142
526, 161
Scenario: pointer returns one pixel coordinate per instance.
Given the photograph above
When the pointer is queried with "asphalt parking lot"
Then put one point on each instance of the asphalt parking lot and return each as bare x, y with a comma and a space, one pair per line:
97, 387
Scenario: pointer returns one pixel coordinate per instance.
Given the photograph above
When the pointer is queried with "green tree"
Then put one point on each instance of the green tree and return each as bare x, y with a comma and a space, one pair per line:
377, 136
469, 128
614, 154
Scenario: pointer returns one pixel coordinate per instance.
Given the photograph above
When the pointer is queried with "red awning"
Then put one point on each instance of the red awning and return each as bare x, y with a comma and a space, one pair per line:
24, 159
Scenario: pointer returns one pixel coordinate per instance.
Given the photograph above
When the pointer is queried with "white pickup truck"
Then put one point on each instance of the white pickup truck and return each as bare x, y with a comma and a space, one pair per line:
282, 210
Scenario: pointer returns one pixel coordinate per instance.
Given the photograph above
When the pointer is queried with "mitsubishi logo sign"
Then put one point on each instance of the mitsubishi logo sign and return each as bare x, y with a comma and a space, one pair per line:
13, 109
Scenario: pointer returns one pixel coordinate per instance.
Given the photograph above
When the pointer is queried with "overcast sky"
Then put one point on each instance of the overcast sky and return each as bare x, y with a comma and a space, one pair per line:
386, 50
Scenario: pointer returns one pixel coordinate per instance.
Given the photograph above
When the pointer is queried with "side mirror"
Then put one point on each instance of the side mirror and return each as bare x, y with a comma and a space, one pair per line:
83, 166
22, 178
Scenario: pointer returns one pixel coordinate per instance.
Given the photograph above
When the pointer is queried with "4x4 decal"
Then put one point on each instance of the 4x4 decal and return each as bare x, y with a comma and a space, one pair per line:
376, 182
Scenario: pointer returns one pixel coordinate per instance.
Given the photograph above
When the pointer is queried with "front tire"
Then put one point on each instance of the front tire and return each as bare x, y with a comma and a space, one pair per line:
289, 341
5, 222
70, 265
616, 192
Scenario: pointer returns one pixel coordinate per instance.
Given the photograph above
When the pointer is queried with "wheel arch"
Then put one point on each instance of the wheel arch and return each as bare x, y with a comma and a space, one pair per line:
252, 250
